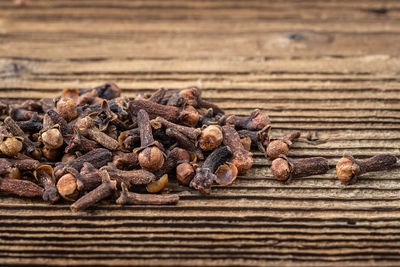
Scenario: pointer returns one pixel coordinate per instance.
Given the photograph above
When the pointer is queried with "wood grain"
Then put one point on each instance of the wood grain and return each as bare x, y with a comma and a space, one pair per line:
323, 67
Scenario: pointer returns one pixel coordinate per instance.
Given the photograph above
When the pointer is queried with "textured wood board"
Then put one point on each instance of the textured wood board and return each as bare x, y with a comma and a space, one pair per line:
324, 67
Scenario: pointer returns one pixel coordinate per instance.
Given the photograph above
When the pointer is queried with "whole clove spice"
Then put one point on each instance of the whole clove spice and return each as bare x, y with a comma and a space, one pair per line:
184, 173
211, 137
189, 132
185, 115
184, 142
150, 153
205, 176
259, 138
45, 175
87, 127
281, 146
130, 178
31, 125
21, 188
98, 157
129, 198
14, 129
256, 121
284, 168
348, 168
10, 145
242, 158
106, 189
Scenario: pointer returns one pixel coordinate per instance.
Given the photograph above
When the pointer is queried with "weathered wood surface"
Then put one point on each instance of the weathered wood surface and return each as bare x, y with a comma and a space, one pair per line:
325, 67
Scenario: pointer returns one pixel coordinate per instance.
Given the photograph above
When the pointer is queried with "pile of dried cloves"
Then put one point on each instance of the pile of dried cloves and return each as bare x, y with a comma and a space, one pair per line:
91, 144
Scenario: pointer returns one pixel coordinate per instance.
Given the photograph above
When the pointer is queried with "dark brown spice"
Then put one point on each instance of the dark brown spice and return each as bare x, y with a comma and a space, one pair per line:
189, 132
97, 157
242, 158
348, 168
205, 176
259, 138
106, 189
14, 129
45, 175
150, 153
281, 146
184, 142
255, 122
130, 178
284, 169
129, 198
21, 188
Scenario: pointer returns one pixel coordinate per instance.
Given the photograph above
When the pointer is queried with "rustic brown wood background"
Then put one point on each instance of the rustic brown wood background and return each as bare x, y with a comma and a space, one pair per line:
327, 68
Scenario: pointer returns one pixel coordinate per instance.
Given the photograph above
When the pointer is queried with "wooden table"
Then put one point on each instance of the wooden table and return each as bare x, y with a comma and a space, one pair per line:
327, 68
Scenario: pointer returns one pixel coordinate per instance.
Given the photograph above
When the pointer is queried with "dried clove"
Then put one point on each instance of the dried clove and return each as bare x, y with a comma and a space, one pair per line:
14, 129
255, 122
242, 158
150, 153
192, 96
211, 137
126, 161
189, 132
77, 142
184, 173
184, 142
158, 95
106, 189
281, 146
284, 169
31, 125
21, 188
52, 138
259, 138
97, 157
185, 115
10, 145
130, 178
66, 107
348, 168
205, 176
129, 198
45, 175
87, 127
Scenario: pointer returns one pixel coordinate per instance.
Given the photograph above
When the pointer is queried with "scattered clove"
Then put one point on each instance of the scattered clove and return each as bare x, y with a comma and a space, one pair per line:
21, 188
281, 146
106, 189
242, 159
284, 169
348, 168
205, 176
129, 198
45, 175
150, 153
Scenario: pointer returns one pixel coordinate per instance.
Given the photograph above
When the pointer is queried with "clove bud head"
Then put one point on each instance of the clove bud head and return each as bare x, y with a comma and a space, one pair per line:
276, 148
67, 187
66, 107
151, 158
346, 170
211, 137
243, 160
280, 169
11, 146
184, 173
52, 138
